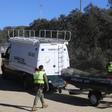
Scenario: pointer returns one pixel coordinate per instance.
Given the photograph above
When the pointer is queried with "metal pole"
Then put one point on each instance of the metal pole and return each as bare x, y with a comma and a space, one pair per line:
40, 11
80, 5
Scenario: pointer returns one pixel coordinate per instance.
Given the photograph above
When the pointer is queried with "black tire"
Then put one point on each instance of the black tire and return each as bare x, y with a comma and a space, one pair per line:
94, 98
51, 88
60, 90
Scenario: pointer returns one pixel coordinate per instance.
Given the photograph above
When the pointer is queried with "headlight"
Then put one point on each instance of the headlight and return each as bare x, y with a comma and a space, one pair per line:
50, 81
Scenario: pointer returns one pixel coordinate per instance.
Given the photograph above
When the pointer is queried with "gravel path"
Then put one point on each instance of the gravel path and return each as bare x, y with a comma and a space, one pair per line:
13, 98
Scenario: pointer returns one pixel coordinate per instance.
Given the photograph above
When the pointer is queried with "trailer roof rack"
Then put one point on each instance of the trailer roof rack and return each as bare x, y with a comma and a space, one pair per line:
43, 34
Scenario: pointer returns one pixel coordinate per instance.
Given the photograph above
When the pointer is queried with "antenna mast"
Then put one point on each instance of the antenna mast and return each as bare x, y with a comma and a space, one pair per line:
40, 11
80, 5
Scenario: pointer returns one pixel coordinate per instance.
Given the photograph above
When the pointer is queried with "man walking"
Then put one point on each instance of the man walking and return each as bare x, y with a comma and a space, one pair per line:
40, 79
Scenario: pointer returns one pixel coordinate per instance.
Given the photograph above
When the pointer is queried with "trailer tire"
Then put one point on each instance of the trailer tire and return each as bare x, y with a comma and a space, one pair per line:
94, 98
51, 88
60, 90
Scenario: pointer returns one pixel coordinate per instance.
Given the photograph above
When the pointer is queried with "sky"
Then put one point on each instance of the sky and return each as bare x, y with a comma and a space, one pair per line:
24, 12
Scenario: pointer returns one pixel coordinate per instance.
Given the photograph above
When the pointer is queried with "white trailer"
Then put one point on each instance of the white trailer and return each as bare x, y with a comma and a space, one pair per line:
24, 54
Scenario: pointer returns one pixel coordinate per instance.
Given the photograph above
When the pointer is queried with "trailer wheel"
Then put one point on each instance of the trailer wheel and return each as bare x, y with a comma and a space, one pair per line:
51, 88
94, 98
60, 90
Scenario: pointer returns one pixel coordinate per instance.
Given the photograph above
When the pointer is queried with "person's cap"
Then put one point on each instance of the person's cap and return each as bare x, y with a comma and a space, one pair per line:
41, 67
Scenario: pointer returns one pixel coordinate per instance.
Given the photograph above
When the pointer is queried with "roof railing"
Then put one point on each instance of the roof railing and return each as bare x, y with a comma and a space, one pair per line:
65, 35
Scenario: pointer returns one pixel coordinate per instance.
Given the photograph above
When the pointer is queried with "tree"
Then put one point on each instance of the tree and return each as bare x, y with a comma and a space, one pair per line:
110, 3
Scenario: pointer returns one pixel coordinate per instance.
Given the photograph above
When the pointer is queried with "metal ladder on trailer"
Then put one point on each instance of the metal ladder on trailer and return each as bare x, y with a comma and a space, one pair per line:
60, 59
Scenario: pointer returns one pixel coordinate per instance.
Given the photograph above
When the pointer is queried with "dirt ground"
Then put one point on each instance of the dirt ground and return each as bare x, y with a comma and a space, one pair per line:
13, 98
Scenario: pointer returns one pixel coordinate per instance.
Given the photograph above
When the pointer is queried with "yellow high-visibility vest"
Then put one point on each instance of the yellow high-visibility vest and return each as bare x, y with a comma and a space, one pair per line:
39, 77
110, 68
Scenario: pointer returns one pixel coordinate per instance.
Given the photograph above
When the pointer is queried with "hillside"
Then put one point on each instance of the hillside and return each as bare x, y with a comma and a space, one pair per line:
91, 45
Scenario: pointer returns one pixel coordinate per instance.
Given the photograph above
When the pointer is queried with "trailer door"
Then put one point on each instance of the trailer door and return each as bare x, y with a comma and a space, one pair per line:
49, 57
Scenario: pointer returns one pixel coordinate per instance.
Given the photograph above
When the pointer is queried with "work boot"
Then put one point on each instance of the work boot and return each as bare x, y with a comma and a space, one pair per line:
44, 105
34, 108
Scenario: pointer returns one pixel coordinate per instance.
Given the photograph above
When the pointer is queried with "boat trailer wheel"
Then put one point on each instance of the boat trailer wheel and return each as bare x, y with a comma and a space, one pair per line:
94, 97
60, 90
